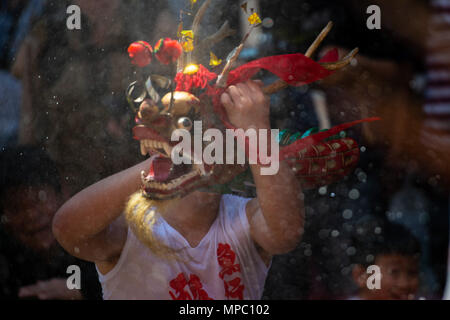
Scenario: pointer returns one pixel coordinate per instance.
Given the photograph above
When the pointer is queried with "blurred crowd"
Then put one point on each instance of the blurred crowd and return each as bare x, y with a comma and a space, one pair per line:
65, 124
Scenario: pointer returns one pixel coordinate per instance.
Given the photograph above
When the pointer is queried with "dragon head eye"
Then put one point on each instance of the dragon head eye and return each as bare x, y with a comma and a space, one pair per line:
184, 123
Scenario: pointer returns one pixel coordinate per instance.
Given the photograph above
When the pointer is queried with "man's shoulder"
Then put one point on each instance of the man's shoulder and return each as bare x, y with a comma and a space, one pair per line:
233, 209
229, 199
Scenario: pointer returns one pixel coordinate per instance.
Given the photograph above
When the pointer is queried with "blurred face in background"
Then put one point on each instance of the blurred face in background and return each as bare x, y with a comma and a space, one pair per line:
94, 9
103, 21
399, 278
28, 215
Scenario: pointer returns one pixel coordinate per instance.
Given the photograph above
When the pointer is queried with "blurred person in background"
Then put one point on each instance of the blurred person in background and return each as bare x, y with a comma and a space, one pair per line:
395, 252
74, 100
16, 18
387, 79
436, 127
32, 264
413, 98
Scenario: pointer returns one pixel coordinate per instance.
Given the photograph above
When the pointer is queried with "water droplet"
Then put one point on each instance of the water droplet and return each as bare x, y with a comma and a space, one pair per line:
323, 191
390, 215
268, 22
334, 233
4, 219
363, 149
362, 176
347, 214
353, 194
351, 251
42, 196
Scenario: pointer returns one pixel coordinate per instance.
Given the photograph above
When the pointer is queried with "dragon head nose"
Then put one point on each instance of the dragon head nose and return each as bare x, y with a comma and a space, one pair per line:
148, 110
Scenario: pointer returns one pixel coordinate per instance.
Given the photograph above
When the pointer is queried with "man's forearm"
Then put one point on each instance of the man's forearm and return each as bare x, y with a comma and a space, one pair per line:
93, 209
280, 199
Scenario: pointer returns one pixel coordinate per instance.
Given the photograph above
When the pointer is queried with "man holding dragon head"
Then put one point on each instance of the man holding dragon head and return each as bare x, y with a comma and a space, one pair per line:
180, 237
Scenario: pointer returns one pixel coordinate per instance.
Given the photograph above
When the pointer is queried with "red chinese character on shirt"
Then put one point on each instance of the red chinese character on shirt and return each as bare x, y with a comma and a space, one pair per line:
234, 289
194, 284
226, 258
197, 290
225, 255
178, 284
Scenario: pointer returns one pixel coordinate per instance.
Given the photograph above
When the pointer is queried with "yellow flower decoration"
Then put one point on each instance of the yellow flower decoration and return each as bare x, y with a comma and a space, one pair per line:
254, 19
214, 61
191, 69
187, 40
188, 45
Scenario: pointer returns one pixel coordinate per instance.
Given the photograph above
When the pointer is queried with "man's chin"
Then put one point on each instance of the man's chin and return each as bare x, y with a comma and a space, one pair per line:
156, 195
181, 192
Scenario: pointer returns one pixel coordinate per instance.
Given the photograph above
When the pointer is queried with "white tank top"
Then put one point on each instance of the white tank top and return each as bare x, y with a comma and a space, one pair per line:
225, 264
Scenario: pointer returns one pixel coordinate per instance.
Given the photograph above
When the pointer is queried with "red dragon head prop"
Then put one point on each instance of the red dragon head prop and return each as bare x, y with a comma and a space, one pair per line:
318, 159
